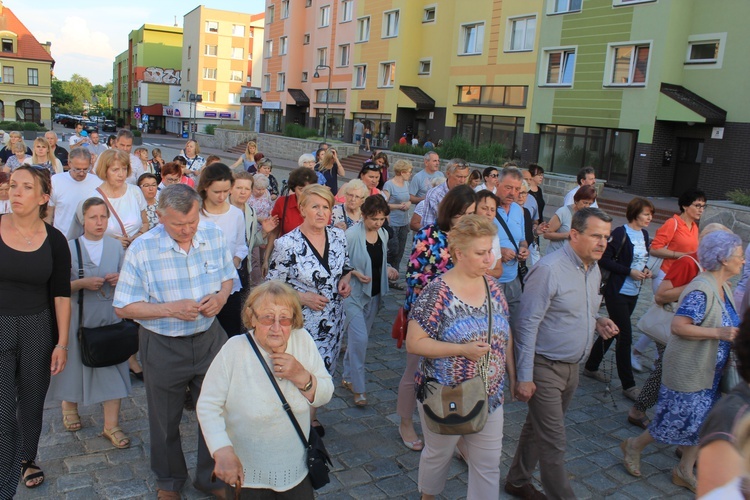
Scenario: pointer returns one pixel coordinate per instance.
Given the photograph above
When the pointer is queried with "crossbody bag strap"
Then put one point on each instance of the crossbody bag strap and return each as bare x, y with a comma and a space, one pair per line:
484, 363
507, 230
287, 408
113, 212
283, 213
80, 276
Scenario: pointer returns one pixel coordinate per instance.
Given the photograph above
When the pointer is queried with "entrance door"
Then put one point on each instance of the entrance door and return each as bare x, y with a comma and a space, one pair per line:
687, 169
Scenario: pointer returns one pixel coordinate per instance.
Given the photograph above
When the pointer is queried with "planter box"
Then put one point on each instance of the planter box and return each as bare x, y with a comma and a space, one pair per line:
29, 135
137, 141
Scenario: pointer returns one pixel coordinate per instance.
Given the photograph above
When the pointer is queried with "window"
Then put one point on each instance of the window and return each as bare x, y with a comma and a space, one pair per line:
268, 49
335, 96
522, 33
343, 58
494, 96
563, 6
209, 95
323, 55
304, 76
306, 39
390, 24
212, 27
387, 74
238, 53
284, 9
428, 15
188, 76
425, 67
325, 16
282, 45
211, 50
472, 38
363, 29
190, 50
504, 131
360, 76
270, 13
251, 32
209, 73
703, 51
629, 64
266, 83
346, 10
234, 98
9, 75
560, 67
280, 81
238, 30
308, 3
235, 75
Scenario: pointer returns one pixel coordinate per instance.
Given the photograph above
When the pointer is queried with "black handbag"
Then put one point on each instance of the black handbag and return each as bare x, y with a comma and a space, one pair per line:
318, 458
104, 345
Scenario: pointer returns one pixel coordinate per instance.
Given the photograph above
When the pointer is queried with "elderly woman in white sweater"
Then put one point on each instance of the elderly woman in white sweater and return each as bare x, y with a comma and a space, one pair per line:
246, 429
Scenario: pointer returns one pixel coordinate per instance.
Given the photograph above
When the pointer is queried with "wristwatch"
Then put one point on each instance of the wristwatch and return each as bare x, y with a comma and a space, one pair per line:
308, 386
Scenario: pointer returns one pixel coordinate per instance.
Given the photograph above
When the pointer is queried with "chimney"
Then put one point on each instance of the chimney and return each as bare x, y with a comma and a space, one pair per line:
47, 45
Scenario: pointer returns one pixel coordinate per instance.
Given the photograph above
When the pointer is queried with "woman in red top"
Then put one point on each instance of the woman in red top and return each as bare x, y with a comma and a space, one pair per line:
286, 209
675, 238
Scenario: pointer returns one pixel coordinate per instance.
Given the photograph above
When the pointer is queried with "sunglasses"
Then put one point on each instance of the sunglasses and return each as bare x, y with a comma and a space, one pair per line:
270, 320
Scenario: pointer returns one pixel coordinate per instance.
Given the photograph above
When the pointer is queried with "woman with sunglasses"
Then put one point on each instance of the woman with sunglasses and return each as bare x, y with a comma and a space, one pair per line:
370, 175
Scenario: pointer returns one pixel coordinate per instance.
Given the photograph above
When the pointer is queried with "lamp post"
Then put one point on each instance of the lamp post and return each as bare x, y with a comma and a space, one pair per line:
328, 97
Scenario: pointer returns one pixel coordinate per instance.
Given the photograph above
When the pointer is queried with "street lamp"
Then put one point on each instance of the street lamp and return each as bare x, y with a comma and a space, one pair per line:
328, 97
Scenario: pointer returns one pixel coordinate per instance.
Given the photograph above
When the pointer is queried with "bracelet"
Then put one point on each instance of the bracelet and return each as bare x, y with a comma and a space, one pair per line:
308, 386
63, 347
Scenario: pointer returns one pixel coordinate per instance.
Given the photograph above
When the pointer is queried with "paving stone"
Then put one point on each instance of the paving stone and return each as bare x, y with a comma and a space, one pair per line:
398, 485
114, 474
353, 477
87, 493
70, 482
86, 463
383, 468
129, 489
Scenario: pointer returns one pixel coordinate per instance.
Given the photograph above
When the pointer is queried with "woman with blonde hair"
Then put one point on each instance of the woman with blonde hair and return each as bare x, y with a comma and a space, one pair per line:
247, 159
42, 155
195, 162
396, 192
331, 168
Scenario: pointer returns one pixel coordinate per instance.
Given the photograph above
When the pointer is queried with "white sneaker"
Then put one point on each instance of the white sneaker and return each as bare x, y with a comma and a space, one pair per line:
635, 362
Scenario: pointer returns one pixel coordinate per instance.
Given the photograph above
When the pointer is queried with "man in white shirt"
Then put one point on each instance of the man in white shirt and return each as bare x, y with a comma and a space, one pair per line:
71, 188
78, 139
423, 180
585, 177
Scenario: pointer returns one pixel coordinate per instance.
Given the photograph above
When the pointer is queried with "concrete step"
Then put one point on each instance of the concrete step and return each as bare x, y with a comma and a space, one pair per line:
353, 163
618, 207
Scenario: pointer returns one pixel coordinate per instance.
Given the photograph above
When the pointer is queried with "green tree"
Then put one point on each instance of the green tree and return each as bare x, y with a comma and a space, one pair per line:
61, 99
80, 88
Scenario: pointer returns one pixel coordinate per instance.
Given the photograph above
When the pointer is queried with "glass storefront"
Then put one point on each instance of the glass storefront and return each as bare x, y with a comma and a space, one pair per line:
335, 122
272, 121
484, 129
380, 124
566, 149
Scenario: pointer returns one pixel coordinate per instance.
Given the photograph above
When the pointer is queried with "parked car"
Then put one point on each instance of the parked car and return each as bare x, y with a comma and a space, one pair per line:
90, 126
109, 126
68, 121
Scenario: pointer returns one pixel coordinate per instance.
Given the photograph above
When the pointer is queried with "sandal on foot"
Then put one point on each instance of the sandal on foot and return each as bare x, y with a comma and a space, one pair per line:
360, 399
116, 437
631, 459
415, 445
641, 422
347, 385
681, 480
32, 476
71, 420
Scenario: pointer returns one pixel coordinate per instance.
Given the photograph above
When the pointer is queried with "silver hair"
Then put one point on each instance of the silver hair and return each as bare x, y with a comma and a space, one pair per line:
303, 158
260, 181
456, 164
83, 153
179, 197
356, 185
514, 172
716, 248
428, 154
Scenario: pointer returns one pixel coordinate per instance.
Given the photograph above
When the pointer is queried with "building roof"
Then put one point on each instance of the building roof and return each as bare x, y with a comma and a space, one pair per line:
300, 98
419, 96
712, 113
28, 46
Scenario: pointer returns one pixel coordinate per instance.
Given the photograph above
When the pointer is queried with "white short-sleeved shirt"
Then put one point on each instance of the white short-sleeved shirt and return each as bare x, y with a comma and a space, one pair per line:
67, 193
128, 207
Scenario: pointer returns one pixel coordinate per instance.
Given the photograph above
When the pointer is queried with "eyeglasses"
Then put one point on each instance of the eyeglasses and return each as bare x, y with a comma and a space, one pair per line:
271, 320
171, 180
700, 206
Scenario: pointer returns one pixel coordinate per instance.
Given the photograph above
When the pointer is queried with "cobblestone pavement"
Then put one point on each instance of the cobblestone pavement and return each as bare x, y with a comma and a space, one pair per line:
369, 459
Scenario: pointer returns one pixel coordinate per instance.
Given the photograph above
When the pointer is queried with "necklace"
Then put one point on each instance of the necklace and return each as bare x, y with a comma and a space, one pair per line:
28, 240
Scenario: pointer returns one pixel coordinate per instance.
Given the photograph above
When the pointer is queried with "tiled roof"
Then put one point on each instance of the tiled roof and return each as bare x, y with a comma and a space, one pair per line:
28, 46
713, 114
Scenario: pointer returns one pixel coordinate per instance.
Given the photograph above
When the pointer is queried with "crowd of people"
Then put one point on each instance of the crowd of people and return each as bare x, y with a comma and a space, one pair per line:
225, 276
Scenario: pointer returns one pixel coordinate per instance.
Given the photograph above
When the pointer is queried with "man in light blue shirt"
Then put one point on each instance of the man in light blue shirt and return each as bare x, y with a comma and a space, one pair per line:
174, 281
424, 180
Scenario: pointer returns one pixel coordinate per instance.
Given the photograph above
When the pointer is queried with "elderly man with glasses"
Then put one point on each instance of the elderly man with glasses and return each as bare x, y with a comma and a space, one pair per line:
456, 173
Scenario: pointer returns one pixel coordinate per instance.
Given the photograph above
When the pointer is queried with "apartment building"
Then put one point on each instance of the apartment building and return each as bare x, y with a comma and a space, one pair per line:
648, 92
218, 65
26, 74
147, 76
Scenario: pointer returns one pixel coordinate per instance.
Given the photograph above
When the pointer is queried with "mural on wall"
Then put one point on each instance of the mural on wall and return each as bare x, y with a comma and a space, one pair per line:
169, 76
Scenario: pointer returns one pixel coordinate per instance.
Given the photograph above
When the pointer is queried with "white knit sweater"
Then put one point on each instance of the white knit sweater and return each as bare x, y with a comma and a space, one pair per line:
238, 407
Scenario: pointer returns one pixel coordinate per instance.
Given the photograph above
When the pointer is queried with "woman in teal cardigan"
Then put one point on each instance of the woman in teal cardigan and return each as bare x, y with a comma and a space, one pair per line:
703, 329
367, 246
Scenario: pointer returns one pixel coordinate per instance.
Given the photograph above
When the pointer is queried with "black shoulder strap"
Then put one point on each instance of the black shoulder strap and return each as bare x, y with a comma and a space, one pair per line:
505, 226
80, 291
622, 243
287, 408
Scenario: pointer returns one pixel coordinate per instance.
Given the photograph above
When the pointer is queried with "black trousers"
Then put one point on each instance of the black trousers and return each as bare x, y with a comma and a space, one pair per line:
620, 308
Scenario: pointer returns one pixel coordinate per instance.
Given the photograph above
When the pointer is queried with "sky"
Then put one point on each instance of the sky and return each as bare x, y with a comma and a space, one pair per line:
86, 35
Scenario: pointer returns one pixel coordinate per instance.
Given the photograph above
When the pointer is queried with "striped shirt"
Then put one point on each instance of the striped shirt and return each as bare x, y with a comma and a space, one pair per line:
156, 270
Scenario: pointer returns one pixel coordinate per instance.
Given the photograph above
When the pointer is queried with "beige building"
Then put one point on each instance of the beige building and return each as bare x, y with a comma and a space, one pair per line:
220, 55
25, 89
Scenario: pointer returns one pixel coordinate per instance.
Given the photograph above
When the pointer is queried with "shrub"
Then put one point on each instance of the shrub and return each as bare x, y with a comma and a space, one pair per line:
234, 127
31, 126
740, 197
210, 129
298, 131
457, 147
136, 133
409, 149
11, 126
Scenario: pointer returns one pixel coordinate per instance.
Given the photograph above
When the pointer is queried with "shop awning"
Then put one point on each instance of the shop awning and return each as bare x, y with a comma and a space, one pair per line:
678, 104
300, 98
152, 110
419, 96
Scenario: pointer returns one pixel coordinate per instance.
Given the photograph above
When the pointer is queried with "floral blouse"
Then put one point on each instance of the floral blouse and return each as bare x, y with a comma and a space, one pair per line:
262, 206
429, 259
446, 318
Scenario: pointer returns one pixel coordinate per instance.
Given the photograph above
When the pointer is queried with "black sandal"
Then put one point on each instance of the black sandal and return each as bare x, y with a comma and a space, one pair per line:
25, 466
